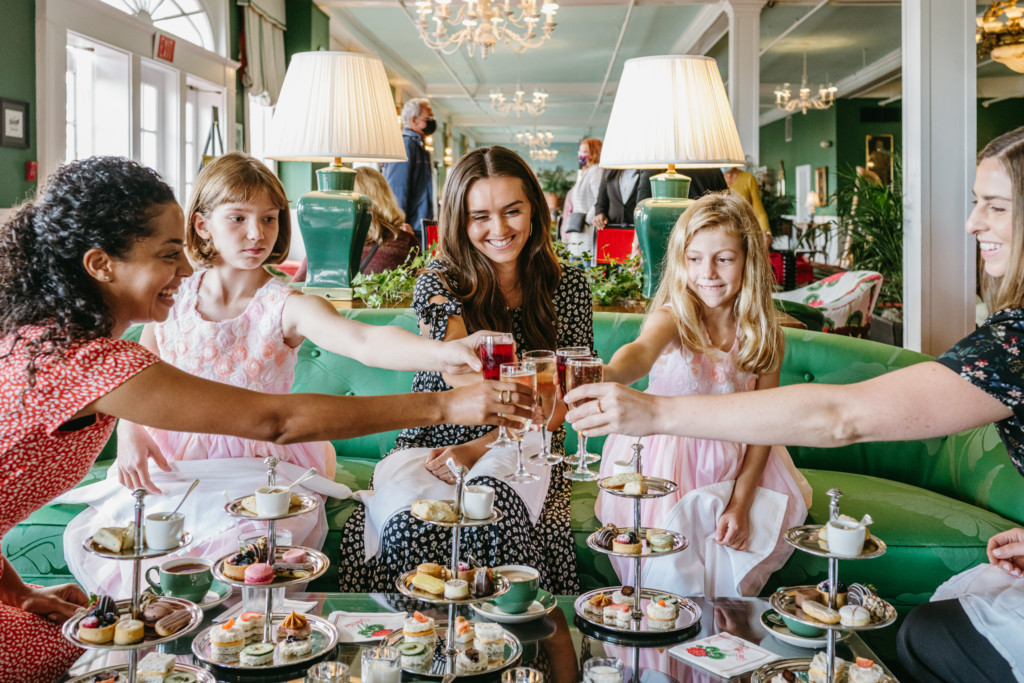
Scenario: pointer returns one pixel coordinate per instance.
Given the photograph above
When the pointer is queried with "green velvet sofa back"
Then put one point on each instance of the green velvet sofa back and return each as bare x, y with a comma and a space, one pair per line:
971, 466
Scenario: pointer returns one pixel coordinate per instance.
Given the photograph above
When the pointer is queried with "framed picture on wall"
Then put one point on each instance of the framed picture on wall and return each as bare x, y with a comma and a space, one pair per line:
821, 184
878, 157
13, 123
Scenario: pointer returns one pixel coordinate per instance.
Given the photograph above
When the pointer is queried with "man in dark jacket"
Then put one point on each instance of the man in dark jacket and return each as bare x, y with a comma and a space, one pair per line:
410, 180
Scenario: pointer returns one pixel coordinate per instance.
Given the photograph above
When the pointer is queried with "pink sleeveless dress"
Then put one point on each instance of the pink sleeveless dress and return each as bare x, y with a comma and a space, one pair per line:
250, 352
697, 463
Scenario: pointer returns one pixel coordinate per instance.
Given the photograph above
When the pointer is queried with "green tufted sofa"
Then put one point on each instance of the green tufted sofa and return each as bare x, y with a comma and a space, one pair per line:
935, 502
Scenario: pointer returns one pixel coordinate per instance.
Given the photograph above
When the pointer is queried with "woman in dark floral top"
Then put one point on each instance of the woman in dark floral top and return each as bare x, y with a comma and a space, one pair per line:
978, 637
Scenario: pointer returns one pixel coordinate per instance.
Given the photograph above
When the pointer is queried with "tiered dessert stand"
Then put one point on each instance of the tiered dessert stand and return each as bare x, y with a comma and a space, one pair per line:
443, 662
136, 555
805, 538
689, 612
324, 635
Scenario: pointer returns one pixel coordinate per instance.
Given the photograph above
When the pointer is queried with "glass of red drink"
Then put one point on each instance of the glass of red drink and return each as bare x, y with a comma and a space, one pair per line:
494, 350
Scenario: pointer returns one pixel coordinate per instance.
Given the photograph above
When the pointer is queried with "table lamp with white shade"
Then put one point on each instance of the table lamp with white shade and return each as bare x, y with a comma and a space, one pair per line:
334, 106
670, 111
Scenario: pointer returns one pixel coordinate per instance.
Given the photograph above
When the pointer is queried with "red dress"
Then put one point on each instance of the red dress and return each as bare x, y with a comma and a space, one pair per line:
39, 461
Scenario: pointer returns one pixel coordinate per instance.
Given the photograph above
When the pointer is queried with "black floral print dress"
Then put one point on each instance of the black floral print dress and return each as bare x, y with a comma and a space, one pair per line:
992, 359
405, 543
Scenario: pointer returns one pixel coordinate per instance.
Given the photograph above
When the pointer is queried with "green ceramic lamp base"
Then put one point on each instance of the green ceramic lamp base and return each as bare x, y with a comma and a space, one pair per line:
655, 218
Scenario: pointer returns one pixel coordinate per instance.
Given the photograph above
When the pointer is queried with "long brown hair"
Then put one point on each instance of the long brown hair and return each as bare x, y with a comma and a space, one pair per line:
1007, 291
470, 274
756, 321
237, 178
387, 217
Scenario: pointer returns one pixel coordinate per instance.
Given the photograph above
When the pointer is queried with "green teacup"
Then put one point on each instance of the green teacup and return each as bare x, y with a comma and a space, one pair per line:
188, 578
524, 582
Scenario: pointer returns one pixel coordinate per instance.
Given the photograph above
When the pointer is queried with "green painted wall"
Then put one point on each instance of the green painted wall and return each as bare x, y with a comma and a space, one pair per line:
857, 119
18, 82
809, 130
308, 30
1001, 117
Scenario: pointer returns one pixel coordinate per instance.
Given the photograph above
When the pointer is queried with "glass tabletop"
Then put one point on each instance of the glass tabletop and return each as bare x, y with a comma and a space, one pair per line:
555, 644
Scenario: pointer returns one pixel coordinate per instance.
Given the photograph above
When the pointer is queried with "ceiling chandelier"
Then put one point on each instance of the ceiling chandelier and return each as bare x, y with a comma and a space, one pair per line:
543, 154
784, 97
1001, 34
504, 106
480, 24
534, 139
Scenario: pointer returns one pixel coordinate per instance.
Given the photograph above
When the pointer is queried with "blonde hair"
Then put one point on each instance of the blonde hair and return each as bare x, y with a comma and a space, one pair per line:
1007, 291
387, 218
760, 337
236, 178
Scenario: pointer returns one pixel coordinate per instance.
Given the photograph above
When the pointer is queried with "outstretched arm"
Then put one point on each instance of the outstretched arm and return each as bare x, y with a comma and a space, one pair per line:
916, 402
635, 359
381, 346
56, 603
135, 447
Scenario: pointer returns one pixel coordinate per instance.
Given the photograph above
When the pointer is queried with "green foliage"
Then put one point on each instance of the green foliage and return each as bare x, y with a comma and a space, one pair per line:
610, 284
776, 206
389, 286
557, 180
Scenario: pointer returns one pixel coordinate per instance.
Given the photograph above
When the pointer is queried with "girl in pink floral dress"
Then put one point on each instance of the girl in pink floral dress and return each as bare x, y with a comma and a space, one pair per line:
713, 330
235, 323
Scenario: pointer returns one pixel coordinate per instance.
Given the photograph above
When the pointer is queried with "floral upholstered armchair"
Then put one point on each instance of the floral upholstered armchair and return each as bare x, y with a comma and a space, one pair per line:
846, 300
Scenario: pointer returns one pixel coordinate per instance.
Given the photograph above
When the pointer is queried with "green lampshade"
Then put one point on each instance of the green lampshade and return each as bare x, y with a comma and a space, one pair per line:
655, 218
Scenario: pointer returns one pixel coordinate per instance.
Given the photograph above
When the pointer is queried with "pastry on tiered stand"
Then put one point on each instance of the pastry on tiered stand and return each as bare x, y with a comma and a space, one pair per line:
432, 648
262, 640
819, 607
637, 612
108, 624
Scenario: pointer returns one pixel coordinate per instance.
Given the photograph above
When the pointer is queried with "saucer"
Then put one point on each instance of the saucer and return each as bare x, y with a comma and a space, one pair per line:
218, 593
544, 603
771, 622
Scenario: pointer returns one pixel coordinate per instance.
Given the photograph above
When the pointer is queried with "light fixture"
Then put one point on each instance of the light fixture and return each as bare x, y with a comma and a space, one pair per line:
517, 104
533, 139
334, 106
784, 96
543, 154
480, 24
669, 111
1001, 34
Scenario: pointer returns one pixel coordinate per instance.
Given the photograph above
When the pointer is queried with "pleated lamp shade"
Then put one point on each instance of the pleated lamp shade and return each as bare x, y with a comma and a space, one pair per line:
671, 109
335, 104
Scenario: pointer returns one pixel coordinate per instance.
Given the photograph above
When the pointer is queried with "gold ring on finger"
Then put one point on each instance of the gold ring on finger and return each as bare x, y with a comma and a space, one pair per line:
599, 408
506, 396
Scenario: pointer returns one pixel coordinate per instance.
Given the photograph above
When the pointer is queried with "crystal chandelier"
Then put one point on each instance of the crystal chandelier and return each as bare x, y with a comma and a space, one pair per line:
534, 139
480, 24
504, 106
543, 154
1001, 34
784, 97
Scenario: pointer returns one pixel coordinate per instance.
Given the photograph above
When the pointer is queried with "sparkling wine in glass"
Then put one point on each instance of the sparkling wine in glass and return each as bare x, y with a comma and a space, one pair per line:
547, 394
495, 349
525, 374
561, 356
580, 371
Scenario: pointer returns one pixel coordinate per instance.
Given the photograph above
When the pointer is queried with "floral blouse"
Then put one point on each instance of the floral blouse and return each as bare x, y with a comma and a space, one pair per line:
991, 359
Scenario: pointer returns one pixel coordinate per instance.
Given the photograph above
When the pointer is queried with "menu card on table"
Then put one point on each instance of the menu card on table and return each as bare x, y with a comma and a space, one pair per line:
355, 627
724, 655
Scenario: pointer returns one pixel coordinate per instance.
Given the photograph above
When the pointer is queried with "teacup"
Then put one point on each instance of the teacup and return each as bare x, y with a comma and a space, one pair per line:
478, 502
846, 538
188, 578
524, 583
163, 531
272, 501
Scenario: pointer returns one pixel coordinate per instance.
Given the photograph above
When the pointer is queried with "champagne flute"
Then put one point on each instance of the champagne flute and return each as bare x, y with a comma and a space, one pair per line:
525, 374
580, 371
562, 355
495, 349
547, 377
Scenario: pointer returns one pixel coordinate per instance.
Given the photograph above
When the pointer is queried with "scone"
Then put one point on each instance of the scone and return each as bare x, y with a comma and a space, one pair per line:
433, 511
619, 481
635, 488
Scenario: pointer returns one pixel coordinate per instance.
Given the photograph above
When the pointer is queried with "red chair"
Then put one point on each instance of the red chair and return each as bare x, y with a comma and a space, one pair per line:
428, 234
614, 244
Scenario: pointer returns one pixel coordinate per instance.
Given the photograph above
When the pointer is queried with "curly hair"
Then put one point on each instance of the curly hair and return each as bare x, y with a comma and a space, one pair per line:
539, 273
97, 203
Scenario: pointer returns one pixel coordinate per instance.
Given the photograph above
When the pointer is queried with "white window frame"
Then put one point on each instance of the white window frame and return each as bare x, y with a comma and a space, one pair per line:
102, 23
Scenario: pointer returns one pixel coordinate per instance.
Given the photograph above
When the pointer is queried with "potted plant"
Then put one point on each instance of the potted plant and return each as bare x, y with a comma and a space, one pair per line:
556, 183
616, 286
390, 288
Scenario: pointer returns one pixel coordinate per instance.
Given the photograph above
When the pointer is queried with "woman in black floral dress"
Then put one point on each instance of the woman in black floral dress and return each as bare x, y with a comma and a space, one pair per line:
495, 270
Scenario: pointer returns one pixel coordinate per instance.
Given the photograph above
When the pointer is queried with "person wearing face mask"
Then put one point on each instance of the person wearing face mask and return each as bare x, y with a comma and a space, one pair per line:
410, 179
578, 220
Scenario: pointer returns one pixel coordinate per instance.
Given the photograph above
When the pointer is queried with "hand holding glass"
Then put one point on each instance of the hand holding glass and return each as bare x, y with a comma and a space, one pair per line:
525, 374
562, 356
547, 393
580, 371
494, 350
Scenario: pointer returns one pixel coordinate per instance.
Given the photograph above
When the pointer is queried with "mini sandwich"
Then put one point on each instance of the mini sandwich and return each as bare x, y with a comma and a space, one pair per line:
662, 613
252, 625
470, 661
490, 641
154, 667
226, 641
464, 633
818, 673
419, 629
618, 614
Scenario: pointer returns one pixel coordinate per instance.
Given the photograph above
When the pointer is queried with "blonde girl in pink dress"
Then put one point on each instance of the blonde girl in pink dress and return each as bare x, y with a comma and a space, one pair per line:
235, 323
712, 330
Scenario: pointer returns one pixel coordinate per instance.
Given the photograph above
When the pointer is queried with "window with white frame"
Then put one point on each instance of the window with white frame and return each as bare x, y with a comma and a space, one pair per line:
260, 116
97, 99
184, 18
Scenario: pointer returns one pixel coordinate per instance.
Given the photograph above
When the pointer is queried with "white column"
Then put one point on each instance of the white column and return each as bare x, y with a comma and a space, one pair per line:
939, 150
745, 71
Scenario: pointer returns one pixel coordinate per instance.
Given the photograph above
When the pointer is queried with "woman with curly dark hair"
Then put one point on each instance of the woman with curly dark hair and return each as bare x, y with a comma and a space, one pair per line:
101, 249
495, 270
